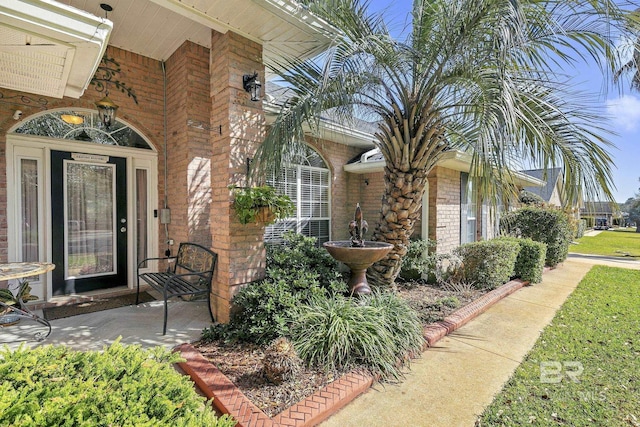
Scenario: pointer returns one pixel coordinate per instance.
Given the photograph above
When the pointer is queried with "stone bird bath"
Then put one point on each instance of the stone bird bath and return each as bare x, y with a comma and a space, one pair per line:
357, 254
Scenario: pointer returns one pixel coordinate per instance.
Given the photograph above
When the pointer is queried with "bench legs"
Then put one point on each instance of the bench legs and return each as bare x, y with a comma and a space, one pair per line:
164, 327
209, 305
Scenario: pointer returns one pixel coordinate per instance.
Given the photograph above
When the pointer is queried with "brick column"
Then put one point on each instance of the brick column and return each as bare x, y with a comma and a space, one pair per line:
237, 127
189, 149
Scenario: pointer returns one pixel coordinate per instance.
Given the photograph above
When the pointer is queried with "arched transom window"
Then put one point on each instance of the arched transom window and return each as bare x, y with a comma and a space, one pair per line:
79, 125
306, 182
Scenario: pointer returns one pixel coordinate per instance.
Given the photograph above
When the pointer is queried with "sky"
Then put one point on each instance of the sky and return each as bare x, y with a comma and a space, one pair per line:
622, 106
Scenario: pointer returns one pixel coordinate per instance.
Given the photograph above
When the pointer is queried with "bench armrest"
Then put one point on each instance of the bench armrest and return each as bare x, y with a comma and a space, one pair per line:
156, 259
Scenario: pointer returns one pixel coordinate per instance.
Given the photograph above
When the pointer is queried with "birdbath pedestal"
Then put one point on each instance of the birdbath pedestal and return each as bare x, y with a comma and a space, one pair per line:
358, 259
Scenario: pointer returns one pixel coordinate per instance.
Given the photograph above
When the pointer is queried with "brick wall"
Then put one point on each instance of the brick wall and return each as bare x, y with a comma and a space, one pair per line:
444, 208
366, 189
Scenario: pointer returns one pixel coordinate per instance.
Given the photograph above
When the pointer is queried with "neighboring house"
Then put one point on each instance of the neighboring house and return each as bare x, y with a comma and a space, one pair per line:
551, 191
95, 200
601, 215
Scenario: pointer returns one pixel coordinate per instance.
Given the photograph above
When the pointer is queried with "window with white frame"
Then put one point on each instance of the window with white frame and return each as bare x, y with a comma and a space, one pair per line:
306, 182
468, 209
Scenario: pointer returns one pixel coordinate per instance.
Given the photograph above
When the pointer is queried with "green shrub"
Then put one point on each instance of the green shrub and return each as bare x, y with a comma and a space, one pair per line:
548, 226
120, 386
488, 264
582, 226
530, 262
378, 332
262, 310
417, 262
298, 252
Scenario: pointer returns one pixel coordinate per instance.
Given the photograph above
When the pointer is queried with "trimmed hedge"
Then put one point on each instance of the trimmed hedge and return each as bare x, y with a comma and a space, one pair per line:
530, 262
548, 226
120, 386
488, 264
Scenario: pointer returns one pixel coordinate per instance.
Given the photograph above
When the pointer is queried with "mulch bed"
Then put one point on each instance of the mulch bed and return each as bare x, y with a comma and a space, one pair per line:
242, 363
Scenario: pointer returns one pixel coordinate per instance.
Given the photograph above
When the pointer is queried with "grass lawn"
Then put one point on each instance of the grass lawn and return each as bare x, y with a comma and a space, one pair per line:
585, 368
623, 242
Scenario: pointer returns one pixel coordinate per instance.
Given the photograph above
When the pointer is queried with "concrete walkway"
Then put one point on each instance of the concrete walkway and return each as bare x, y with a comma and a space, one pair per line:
455, 380
140, 324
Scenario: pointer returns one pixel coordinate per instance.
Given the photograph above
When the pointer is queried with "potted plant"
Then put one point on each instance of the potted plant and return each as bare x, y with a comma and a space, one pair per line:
8, 298
262, 204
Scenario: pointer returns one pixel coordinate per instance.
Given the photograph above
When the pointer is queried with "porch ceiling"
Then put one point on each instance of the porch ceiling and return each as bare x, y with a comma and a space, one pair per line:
52, 48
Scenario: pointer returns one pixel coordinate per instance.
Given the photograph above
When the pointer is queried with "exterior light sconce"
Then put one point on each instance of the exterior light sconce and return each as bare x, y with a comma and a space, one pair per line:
252, 85
107, 111
106, 107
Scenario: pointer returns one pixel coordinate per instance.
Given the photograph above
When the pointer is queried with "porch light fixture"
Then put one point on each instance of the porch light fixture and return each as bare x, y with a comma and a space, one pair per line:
106, 107
106, 111
252, 85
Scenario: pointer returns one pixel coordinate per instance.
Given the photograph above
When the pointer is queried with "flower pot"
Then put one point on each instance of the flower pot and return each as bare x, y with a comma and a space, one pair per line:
265, 215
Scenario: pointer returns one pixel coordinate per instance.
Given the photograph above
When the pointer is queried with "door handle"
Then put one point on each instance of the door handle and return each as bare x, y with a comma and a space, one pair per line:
123, 229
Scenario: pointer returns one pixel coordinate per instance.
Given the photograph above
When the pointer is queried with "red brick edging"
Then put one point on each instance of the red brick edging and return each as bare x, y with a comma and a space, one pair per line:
228, 399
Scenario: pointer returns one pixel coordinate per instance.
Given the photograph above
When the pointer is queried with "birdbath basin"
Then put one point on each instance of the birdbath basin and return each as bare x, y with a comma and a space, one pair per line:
358, 259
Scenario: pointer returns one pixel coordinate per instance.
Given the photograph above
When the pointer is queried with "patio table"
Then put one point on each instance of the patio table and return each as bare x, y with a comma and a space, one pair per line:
19, 270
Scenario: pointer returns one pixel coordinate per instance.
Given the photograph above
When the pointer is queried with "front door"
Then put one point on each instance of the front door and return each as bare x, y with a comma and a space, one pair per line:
89, 222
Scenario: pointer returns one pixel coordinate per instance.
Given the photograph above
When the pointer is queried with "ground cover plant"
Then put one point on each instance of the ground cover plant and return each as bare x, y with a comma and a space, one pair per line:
120, 386
583, 370
621, 242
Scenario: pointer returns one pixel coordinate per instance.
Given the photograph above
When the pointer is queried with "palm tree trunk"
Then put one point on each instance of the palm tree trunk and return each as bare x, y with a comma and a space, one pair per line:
401, 205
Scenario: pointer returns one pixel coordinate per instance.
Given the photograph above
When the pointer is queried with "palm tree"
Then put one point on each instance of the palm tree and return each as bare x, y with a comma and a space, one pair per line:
472, 75
631, 66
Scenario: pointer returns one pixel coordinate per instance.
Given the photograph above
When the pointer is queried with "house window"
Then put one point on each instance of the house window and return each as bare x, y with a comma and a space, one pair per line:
29, 211
306, 182
468, 210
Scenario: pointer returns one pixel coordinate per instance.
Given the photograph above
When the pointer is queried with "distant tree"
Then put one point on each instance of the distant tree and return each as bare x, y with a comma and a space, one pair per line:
634, 213
632, 207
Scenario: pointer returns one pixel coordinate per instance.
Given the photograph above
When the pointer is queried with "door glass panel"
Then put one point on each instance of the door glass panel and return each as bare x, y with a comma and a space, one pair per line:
141, 214
89, 219
29, 216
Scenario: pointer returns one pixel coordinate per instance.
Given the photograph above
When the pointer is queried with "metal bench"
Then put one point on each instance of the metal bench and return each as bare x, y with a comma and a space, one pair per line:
187, 274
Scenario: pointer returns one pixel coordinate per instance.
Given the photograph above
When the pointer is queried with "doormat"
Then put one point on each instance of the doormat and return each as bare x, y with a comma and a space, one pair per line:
99, 304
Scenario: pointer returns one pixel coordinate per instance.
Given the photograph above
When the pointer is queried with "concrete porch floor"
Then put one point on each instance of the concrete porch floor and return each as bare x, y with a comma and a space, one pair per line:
140, 324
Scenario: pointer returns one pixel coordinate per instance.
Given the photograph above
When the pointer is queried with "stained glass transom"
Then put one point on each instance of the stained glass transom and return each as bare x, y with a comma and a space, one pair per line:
91, 129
